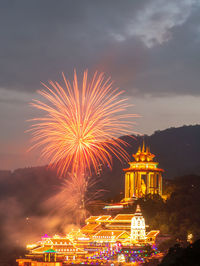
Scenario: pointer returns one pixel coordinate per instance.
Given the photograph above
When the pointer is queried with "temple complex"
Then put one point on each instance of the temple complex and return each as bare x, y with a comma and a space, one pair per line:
101, 237
122, 237
143, 175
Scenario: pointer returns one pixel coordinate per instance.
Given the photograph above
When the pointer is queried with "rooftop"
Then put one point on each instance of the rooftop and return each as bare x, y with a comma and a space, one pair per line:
110, 233
90, 227
124, 217
153, 233
92, 219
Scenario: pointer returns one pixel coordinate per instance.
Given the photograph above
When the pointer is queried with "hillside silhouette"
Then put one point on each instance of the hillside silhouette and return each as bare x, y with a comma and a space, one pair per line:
177, 150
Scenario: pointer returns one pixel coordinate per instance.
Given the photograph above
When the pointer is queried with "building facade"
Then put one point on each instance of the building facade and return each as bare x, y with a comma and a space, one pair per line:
143, 175
138, 228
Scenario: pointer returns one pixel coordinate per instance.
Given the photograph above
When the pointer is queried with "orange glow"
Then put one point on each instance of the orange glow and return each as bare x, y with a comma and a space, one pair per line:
81, 126
143, 176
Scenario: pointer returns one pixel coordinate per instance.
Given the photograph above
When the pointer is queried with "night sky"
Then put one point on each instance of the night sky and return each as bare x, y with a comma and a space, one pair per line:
151, 49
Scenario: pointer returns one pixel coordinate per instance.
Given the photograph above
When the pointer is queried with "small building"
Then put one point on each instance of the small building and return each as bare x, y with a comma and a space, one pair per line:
138, 229
151, 236
54, 249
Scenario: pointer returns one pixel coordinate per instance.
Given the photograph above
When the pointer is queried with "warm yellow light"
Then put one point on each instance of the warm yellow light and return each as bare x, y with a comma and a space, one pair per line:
56, 236
30, 246
189, 237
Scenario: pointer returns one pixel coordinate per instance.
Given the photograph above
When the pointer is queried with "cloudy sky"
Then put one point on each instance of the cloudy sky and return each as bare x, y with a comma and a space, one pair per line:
150, 48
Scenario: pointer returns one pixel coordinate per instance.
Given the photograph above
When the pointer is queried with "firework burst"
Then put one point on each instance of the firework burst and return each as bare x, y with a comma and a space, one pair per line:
82, 124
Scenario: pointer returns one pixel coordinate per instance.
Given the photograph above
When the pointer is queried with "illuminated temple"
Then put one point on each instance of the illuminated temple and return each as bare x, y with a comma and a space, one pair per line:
119, 238
102, 238
143, 175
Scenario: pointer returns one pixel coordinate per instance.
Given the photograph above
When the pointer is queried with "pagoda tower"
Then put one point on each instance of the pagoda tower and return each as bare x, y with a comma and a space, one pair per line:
138, 231
143, 176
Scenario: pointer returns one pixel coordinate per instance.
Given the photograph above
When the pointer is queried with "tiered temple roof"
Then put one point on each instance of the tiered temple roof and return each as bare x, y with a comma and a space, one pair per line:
123, 218
143, 161
103, 218
89, 228
111, 235
92, 219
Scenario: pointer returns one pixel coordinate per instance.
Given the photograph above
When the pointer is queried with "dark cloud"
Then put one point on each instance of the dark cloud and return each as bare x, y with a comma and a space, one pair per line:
148, 47
173, 67
42, 38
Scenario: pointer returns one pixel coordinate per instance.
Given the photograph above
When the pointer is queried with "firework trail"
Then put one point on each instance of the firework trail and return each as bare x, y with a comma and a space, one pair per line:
81, 126
75, 196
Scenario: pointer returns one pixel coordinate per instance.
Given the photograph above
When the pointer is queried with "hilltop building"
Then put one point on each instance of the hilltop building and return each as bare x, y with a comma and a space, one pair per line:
143, 175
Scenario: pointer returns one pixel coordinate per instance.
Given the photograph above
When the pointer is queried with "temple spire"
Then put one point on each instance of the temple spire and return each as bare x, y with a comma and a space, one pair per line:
143, 146
138, 210
139, 149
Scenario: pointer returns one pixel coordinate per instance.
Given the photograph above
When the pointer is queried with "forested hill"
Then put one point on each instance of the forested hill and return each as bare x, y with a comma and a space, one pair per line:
177, 150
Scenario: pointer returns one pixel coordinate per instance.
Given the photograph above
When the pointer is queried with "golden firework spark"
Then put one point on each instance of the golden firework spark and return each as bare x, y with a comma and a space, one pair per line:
82, 125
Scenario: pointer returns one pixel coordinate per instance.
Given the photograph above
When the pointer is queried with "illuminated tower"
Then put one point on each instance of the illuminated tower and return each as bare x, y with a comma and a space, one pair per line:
138, 231
143, 176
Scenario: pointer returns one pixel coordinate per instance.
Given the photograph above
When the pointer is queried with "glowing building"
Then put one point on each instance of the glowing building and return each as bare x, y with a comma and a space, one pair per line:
102, 237
143, 176
138, 229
